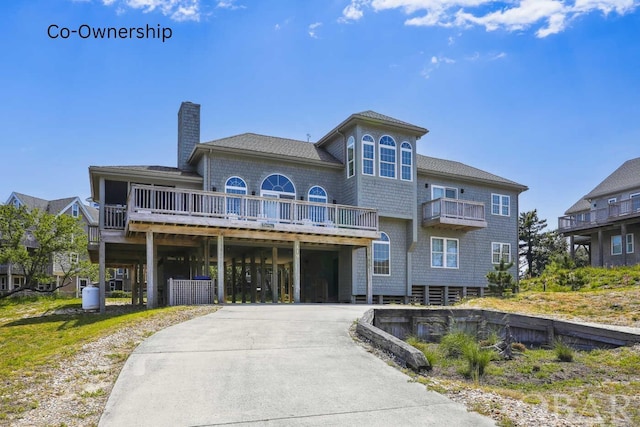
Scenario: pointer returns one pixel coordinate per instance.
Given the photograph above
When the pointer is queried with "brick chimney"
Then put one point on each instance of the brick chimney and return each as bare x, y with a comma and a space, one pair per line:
188, 132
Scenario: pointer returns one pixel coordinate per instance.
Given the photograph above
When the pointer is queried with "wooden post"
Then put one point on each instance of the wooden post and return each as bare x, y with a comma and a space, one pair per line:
243, 279
623, 237
274, 274
170, 291
263, 291
141, 279
369, 260
254, 278
234, 280
221, 296
572, 248
133, 278
151, 271
296, 271
102, 276
600, 249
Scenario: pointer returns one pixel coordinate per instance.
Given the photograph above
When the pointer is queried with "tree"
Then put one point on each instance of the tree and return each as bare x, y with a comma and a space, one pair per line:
529, 232
34, 242
501, 280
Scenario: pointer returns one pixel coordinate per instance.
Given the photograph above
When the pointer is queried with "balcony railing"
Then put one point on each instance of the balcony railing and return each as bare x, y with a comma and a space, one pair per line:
628, 208
453, 213
181, 202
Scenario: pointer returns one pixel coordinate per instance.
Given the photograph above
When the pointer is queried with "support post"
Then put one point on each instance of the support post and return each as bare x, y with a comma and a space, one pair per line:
600, 249
572, 247
254, 278
263, 291
134, 277
243, 279
296, 271
274, 274
623, 237
151, 271
102, 276
234, 280
221, 296
369, 260
141, 279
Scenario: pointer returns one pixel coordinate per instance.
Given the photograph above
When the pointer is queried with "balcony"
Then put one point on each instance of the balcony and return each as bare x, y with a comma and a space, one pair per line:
453, 214
611, 214
175, 210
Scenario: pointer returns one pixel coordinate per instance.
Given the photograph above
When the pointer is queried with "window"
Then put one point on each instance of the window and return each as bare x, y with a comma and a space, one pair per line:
16, 202
444, 252
235, 185
500, 204
611, 200
17, 282
278, 184
3, 283
368, 155
381, 256
276, 187
500, 251
75, 210
73, 258
438, 192
635, 202
351, 157
387, 157
317, 194
406, 161
616, 244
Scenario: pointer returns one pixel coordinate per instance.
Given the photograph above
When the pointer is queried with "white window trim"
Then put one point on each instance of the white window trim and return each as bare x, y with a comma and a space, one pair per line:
633, 196
73, 255
500, 205
233, 187
326, 195
75, 210
373, 160
381, 242
612, 200
410, 151
621, 244
395, 163
502, 245
351, 144
627, 242
444, 188
444, 253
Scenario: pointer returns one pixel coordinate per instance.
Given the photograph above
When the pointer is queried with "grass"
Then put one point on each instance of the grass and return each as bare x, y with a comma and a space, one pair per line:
41, 333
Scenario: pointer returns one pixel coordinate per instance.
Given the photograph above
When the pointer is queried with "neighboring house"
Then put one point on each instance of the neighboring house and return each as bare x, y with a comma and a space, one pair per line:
607, 220
358, 216
10, 275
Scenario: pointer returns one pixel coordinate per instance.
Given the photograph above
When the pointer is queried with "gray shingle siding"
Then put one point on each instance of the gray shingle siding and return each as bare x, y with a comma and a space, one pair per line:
615, 260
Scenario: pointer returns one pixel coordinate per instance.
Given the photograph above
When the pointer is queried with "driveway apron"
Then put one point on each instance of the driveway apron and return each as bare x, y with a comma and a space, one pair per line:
271, 365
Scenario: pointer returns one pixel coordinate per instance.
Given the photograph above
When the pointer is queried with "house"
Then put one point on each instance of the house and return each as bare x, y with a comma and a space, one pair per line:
10, 275
358, 216
606, 221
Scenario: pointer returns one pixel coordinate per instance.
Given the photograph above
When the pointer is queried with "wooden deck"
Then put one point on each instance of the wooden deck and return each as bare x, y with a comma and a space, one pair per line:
453, 214
624, 210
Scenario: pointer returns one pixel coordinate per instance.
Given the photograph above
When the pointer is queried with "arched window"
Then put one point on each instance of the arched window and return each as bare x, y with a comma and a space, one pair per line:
406, 162
277, 186
235, 185
382, 256
317, 214
351, 157
317, 194
368, 155
387, 166
277, 183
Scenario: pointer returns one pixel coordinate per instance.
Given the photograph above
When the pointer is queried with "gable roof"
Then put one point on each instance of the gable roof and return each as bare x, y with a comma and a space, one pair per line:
270, 146
626, 177
579, 206
56, 206
453, 169
370, 116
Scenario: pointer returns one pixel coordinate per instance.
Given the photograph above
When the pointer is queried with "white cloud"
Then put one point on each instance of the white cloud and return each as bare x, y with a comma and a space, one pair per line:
229, 4
312, 29
546, 17
353, 11
178, 10
497, 56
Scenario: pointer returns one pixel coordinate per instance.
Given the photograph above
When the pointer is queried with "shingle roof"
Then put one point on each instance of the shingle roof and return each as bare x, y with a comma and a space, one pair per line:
626, 177
152, 168
377, 116
251, 142
55, 206
579, 206
456, 169
33, 202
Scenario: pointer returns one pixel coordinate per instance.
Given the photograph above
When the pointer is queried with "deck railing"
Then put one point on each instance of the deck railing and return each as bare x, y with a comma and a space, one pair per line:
183, 202
453, 208
115, 216
622, 209
93, 234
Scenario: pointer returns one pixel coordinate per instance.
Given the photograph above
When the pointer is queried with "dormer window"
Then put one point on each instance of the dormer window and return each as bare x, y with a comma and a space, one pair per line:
75, 210
387, 157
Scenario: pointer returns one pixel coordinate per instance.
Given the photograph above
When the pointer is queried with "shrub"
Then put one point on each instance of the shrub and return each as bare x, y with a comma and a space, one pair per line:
454, 343
477, 360
429, 352
501, 280
563, 351
119, 294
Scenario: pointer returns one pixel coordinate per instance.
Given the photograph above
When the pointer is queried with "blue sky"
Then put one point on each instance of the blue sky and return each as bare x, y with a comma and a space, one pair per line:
543, 92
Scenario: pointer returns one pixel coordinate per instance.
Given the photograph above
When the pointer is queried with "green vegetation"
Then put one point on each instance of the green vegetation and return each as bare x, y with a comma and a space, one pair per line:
500, 280
557, 278
39, 333
563, 351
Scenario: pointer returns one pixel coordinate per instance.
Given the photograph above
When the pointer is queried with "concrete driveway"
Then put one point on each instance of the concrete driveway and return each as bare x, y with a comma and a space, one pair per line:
272, 365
